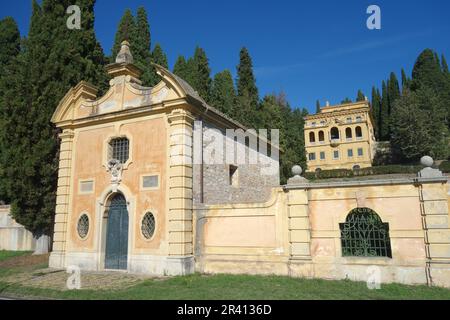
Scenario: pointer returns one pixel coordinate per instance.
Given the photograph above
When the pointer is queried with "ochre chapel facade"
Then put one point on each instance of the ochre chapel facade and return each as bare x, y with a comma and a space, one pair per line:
135, 193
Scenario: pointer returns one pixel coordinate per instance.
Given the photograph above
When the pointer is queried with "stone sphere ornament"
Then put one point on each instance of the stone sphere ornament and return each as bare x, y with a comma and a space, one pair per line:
297, 170
427, 161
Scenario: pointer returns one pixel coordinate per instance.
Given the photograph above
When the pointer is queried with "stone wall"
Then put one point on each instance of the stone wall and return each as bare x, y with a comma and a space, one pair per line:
14, 236
254, 180
297, 232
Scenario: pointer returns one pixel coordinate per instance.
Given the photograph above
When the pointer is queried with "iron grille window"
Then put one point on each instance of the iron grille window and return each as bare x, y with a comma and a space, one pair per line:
364, 235
148, 225
119, 149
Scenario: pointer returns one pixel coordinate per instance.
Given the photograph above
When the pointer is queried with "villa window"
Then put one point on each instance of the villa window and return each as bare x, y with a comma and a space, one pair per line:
358, 133
119, 149
350, 153
321, 136
312, 137
349, 120
322, 155
335, 154
360, 152
312, 156
334, 133
364, 234
358, 119
348, 133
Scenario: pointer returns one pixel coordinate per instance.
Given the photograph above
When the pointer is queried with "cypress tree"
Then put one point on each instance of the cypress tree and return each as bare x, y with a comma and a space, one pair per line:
384, 113
159, 57
248, 97
9, 41
180, 67
444, 65
318, 108
223, 93
393, 95
141, 53
55, 59
360, 96
419, 127
294, 142
393, 90
202, 78
406, 82
376, 108
427, 72
9, 50
346, 100
127, 30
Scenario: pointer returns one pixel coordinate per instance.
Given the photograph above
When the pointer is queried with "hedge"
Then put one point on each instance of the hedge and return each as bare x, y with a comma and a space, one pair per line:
445, 166
347, 173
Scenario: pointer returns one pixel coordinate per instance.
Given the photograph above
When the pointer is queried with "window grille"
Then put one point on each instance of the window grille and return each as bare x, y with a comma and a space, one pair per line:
83, 226
148, 225
119, 149
364, 235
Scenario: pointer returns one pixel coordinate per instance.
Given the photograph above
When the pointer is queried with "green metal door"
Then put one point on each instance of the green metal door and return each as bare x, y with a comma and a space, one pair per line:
117, 234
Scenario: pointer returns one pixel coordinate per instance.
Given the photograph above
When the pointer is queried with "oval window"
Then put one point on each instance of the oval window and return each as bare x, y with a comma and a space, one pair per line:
148, 225
83, 226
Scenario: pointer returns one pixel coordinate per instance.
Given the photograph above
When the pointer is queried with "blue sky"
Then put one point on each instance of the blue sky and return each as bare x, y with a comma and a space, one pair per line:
308, 49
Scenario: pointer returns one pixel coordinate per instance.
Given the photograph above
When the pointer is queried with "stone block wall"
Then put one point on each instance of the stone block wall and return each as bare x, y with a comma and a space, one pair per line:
254, 181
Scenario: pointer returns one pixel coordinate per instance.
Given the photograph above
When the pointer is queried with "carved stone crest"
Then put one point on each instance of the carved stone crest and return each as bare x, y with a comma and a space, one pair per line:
115, 169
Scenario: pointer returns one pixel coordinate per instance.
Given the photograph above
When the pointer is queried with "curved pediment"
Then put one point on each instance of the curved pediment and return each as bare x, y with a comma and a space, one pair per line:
125, 92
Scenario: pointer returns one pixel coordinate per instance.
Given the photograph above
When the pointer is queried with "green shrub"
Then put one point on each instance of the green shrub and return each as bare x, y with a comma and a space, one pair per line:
379, 170
445, 166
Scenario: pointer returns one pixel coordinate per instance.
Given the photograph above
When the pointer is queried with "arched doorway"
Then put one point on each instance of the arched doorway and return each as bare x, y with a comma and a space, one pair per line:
116, 248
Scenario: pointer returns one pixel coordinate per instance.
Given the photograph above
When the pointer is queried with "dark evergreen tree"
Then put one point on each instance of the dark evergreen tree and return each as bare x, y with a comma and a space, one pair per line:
202, 78
406, 81
346, 100
360, 96
248, 97
427, 72
294, 145
180, 67
141, 53
159, 57
419, 127
54, 59
9, 41
384, 113
444, 65
393, 90
318, 107
223, 93
127, 30
375, 110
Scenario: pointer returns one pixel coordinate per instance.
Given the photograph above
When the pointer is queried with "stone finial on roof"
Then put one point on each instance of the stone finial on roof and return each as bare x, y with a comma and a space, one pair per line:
124, 55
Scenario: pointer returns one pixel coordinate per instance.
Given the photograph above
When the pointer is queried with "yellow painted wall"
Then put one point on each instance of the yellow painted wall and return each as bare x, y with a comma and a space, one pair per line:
148, 154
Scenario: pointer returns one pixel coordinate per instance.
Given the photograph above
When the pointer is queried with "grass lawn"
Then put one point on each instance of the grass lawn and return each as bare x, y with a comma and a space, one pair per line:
9, 254
230, 287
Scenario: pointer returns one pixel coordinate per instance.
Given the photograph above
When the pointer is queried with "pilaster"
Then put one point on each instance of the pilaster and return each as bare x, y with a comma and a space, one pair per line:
57, 257
180, 184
